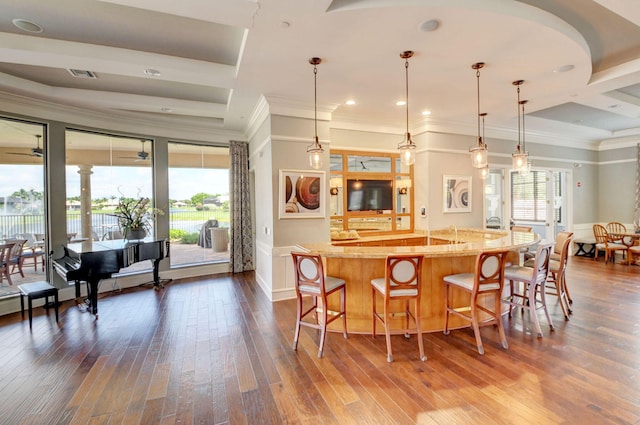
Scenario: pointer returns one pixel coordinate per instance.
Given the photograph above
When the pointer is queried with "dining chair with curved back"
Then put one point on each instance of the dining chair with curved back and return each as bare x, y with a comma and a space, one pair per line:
5, 266
402, 282
32, 250
614, 228
532, 295
487, 280
310, 280
603, 243
556, 280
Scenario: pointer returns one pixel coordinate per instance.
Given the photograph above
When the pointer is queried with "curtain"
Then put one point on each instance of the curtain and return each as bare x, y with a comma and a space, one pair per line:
241, 246
636, 214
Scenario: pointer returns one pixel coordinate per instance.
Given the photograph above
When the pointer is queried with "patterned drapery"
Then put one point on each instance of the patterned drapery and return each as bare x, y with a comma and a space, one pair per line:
241, 246
636, 214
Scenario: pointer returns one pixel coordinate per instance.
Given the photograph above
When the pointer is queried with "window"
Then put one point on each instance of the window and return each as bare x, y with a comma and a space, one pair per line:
529, 196
199, 219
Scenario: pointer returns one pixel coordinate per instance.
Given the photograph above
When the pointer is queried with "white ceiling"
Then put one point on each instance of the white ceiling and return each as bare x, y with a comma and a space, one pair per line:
217, 58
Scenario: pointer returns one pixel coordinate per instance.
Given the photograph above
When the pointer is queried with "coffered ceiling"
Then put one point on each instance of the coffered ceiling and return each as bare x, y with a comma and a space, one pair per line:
210, 62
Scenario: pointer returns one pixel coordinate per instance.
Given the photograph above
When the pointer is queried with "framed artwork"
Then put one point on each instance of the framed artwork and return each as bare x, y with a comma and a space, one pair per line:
302, 194
456, 194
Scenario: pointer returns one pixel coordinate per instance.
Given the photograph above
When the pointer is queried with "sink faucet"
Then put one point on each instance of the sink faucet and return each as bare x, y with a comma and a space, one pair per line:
455, 229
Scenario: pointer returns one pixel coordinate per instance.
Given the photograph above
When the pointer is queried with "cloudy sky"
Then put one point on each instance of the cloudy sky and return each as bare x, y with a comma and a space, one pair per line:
117, 181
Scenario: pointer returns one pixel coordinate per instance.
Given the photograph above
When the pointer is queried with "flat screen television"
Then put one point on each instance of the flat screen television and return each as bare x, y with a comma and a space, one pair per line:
369, 195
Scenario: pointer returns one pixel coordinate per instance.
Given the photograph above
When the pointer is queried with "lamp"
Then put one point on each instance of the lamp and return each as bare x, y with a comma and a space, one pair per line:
520, 156
406, 147
314, 150
484, 171
480, 151
335, 183
403, 186
527, 166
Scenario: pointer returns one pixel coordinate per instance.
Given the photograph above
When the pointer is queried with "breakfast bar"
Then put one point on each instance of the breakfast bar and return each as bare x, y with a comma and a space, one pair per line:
445, 252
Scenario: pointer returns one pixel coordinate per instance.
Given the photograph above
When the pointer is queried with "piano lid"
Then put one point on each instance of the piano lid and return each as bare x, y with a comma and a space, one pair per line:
108, 245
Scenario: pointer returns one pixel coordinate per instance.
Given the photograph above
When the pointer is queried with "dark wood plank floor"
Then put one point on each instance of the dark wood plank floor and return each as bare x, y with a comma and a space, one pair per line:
214, 350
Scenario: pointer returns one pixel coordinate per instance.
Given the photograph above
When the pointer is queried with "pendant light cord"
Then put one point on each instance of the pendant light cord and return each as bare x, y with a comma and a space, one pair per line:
519, 119
406, 98
315, 100
524, 148
480, 143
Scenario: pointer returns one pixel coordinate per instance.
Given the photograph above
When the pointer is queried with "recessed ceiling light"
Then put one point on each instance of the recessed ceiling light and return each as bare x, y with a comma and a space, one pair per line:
350, 102
284, 24
614, 106
167, 110
430, 25
152, 72
425, 113
401, 103
27, 26
564, 68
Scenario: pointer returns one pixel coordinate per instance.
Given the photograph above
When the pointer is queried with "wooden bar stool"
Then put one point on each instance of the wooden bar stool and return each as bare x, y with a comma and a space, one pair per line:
402, 281
310, 280
532, 295
486, 281
37, 290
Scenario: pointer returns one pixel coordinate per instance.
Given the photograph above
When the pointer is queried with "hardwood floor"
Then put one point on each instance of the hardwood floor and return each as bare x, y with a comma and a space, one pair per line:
216, 351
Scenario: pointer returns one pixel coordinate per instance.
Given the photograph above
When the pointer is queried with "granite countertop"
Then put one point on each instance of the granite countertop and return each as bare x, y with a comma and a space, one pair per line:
471, 242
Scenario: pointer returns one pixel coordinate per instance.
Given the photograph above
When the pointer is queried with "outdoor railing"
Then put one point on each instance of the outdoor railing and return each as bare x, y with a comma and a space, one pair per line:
187, 221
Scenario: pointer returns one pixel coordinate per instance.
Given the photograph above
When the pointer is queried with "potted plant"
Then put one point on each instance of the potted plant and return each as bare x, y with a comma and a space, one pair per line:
135, 216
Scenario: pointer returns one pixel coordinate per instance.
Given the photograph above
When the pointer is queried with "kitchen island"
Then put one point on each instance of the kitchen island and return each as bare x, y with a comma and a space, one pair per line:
447, 251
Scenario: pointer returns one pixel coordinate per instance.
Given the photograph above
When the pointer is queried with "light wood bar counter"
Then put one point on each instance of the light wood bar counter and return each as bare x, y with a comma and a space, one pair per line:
361, 260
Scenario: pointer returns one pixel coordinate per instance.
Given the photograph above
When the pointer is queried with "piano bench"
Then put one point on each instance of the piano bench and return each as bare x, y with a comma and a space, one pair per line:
37, 290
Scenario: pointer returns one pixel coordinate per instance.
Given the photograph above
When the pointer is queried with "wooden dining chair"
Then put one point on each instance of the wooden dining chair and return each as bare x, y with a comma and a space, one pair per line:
310, 280
531, 296
402, 281
614, 228
5, 266
603, 243
484, 283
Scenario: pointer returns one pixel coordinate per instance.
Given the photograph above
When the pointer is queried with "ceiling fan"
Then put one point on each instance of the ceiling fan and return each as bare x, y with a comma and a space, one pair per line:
37, 151
140, 156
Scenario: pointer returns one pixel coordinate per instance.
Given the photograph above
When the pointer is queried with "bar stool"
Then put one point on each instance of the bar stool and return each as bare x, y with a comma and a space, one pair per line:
487, 280
534, 280
402, 282
557, 279
310, 280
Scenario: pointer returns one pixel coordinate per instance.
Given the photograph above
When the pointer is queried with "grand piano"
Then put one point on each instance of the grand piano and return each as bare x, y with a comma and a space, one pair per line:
92, 261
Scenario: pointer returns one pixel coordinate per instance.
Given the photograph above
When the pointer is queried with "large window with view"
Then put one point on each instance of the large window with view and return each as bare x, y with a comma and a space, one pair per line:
103, 173
199, 203
22, 202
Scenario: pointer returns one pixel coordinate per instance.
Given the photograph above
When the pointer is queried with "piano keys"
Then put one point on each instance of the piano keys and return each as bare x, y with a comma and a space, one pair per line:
92, 261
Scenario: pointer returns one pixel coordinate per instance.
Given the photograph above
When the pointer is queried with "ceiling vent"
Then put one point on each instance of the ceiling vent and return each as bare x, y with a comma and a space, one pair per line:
80, 73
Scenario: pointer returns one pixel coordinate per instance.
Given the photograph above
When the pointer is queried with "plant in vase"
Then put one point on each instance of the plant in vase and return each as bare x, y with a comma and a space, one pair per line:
135, 216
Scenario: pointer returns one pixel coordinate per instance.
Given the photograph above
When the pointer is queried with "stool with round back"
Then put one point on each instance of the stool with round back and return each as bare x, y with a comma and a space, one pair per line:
484, 283
402, 282
310, 280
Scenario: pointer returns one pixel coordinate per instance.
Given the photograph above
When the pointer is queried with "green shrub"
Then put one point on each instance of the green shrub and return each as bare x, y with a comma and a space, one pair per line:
190, 238
175, 234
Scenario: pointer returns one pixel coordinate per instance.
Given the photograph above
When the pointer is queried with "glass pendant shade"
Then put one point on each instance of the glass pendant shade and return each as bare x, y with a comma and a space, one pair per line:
315, 153
407, 151
519, 159
526, 168
479, 156
484, 172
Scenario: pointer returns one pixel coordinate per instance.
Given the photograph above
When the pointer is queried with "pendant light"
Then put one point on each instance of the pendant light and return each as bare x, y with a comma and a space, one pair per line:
520, 156
479, 152
314, 150
407, 148
484, 171
527, 167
